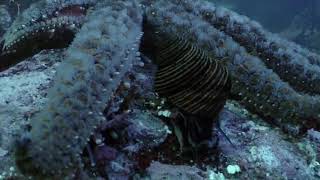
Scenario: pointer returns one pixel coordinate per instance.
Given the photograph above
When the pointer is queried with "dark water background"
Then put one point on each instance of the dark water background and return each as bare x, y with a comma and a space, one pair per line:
273, 14
296, 20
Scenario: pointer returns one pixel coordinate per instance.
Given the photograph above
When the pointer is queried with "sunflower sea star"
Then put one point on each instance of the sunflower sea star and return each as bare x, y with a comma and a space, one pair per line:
270, 76
92, 76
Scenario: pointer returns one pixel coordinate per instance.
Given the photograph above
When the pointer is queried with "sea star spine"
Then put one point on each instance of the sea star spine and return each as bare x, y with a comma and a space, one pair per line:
260, 88
96, 62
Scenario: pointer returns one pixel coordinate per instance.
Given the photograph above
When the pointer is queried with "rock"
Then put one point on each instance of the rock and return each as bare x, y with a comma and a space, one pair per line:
314, 136
120, 168
23, 91
145, 131
264, 154
215, 176
262, 150
159, 171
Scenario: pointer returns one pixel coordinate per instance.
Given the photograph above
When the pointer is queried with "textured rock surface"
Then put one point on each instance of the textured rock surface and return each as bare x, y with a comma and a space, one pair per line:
261, 152
23, 92
264, 151
159, 171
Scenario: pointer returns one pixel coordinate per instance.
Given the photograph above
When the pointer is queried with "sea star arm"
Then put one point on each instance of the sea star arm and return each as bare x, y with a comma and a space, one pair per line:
261, 88
44, 25
101, 53
293, 64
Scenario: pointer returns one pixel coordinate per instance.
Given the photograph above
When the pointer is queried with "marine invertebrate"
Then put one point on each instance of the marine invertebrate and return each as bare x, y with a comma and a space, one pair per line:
258, 87
107, 45
5, 19
96, 63
192, 81
45, 25
276, 53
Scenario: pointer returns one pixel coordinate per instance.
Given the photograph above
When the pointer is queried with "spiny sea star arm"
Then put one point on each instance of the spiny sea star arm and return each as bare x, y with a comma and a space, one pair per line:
44, 25
96, 62
261, 90
293, 64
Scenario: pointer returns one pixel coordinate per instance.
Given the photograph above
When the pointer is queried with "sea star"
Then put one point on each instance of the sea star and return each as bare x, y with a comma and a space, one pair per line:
270, 76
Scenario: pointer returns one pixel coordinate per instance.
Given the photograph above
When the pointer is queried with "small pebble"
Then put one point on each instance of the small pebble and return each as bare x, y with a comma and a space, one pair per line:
165, 113
11, 169
233, 169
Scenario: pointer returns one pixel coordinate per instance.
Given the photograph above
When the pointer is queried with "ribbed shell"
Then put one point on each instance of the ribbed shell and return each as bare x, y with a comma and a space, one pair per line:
189, 78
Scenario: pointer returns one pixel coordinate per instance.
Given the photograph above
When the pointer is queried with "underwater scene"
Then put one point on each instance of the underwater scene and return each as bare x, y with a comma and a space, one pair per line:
159, 89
